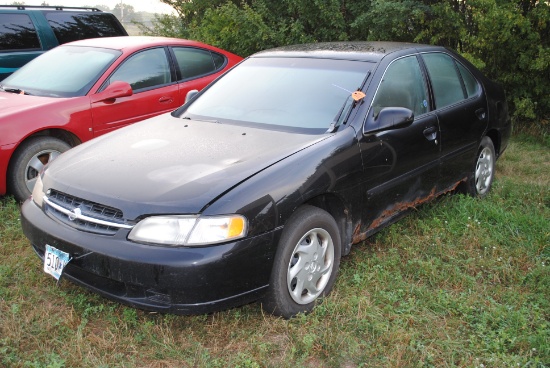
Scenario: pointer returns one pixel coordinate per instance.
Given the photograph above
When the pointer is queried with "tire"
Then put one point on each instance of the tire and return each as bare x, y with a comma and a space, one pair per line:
29, 159
483, 172
306, 263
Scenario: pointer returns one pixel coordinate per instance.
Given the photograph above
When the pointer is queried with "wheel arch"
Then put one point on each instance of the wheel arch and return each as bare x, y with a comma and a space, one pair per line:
64, 135
494, 135
70, 138
336, 207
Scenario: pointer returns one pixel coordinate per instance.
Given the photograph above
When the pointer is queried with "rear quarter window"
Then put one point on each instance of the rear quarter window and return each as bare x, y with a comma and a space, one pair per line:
471, 84
70, 26
17, 32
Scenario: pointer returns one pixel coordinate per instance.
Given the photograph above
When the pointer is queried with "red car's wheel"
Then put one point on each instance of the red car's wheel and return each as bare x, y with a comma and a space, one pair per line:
31, 156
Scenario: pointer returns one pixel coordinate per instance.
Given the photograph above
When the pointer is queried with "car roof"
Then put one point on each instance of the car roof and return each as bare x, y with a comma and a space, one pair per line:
354, 50
132, 43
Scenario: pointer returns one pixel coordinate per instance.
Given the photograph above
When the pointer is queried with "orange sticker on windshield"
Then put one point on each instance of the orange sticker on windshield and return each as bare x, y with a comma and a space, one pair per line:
358, 95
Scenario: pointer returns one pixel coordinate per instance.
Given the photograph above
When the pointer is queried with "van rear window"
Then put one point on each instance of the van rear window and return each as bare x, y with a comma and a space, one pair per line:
70, 26
17, 32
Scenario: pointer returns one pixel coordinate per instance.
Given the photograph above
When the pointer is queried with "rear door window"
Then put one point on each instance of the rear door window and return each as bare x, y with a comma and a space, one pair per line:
193, 62
445, 79
71, 26
17, 32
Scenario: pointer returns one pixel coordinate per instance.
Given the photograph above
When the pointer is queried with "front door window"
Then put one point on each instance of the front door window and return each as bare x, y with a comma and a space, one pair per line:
145, 70
402, 86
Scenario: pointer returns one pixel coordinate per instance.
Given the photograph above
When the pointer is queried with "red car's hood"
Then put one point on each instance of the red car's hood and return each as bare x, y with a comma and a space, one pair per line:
13, 103
19, 114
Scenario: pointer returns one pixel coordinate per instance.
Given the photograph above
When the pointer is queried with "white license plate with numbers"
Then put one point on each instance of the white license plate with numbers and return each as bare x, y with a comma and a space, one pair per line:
55, 261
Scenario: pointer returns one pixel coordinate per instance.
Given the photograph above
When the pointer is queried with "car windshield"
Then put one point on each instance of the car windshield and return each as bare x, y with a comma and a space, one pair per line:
304, 94
66, 71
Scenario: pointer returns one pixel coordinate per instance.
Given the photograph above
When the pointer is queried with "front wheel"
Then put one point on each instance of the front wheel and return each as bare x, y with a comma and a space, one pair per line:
306, 262
483, 173
31, 156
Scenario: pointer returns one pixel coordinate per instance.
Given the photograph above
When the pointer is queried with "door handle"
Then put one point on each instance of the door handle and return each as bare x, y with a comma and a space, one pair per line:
430, 133
481, 114
165, 99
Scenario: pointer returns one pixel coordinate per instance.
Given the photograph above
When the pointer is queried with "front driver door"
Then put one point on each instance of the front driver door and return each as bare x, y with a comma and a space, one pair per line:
400, 165
154, 92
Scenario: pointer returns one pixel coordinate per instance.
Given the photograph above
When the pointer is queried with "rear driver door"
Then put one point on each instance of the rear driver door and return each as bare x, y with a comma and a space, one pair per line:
461, 108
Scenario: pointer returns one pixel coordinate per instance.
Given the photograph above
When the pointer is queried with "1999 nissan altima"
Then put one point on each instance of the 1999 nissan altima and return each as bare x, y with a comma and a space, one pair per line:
257, 186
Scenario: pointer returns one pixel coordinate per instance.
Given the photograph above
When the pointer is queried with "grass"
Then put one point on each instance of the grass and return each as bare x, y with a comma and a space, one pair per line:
460, 282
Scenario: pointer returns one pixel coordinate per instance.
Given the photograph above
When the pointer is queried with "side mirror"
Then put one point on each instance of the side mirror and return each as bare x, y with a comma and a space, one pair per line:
113, 91
190, 95
392, 118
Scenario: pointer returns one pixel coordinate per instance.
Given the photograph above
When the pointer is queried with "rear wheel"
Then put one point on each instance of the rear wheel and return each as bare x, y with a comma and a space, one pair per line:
31, 156
483, 173
306, 263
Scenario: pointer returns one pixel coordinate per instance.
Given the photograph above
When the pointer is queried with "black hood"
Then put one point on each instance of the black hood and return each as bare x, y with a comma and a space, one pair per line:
169, 165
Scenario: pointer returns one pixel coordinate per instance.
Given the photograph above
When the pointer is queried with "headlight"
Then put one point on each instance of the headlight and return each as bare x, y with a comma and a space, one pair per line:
38, 191
189, 230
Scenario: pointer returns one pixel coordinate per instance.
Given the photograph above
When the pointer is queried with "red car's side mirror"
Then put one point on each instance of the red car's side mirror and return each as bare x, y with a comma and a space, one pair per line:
113, 91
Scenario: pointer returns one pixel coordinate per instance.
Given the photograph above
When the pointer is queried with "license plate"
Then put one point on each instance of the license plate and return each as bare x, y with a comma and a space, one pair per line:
55, 261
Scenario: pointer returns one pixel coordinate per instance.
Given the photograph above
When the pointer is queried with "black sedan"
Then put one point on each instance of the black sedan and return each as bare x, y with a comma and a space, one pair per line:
257, 186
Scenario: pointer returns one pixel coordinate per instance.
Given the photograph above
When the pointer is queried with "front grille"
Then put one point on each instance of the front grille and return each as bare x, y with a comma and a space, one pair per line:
84, 215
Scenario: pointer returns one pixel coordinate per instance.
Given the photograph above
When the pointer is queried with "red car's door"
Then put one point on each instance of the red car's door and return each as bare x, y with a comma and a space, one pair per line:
154, 92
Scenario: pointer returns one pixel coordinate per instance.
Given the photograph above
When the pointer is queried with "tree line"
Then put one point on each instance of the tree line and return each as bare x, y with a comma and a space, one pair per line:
509, 40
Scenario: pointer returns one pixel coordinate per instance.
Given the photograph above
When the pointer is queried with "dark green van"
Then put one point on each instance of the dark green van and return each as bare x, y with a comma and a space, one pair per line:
28, 31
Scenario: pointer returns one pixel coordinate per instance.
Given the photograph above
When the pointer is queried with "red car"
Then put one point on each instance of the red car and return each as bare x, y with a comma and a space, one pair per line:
87, 88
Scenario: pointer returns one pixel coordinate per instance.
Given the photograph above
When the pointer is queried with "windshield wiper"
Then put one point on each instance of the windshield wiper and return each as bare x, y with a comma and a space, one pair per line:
14, 90
351, 101
343, 114
338, 119
206, 120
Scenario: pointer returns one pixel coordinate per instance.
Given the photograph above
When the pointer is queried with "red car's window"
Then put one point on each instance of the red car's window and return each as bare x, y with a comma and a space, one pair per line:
146, 69
66, 71
194, 62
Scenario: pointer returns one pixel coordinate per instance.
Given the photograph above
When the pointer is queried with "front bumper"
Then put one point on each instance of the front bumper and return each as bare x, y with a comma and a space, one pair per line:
181, 280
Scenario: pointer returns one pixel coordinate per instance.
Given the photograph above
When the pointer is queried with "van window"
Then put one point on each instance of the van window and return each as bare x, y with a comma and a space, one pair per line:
70, 26
17, 32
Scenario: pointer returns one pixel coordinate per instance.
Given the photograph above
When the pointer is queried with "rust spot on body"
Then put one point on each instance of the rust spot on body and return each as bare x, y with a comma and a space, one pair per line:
359, 236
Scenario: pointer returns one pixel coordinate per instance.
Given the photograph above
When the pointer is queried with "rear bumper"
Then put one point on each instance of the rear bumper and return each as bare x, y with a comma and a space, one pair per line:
165, 279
